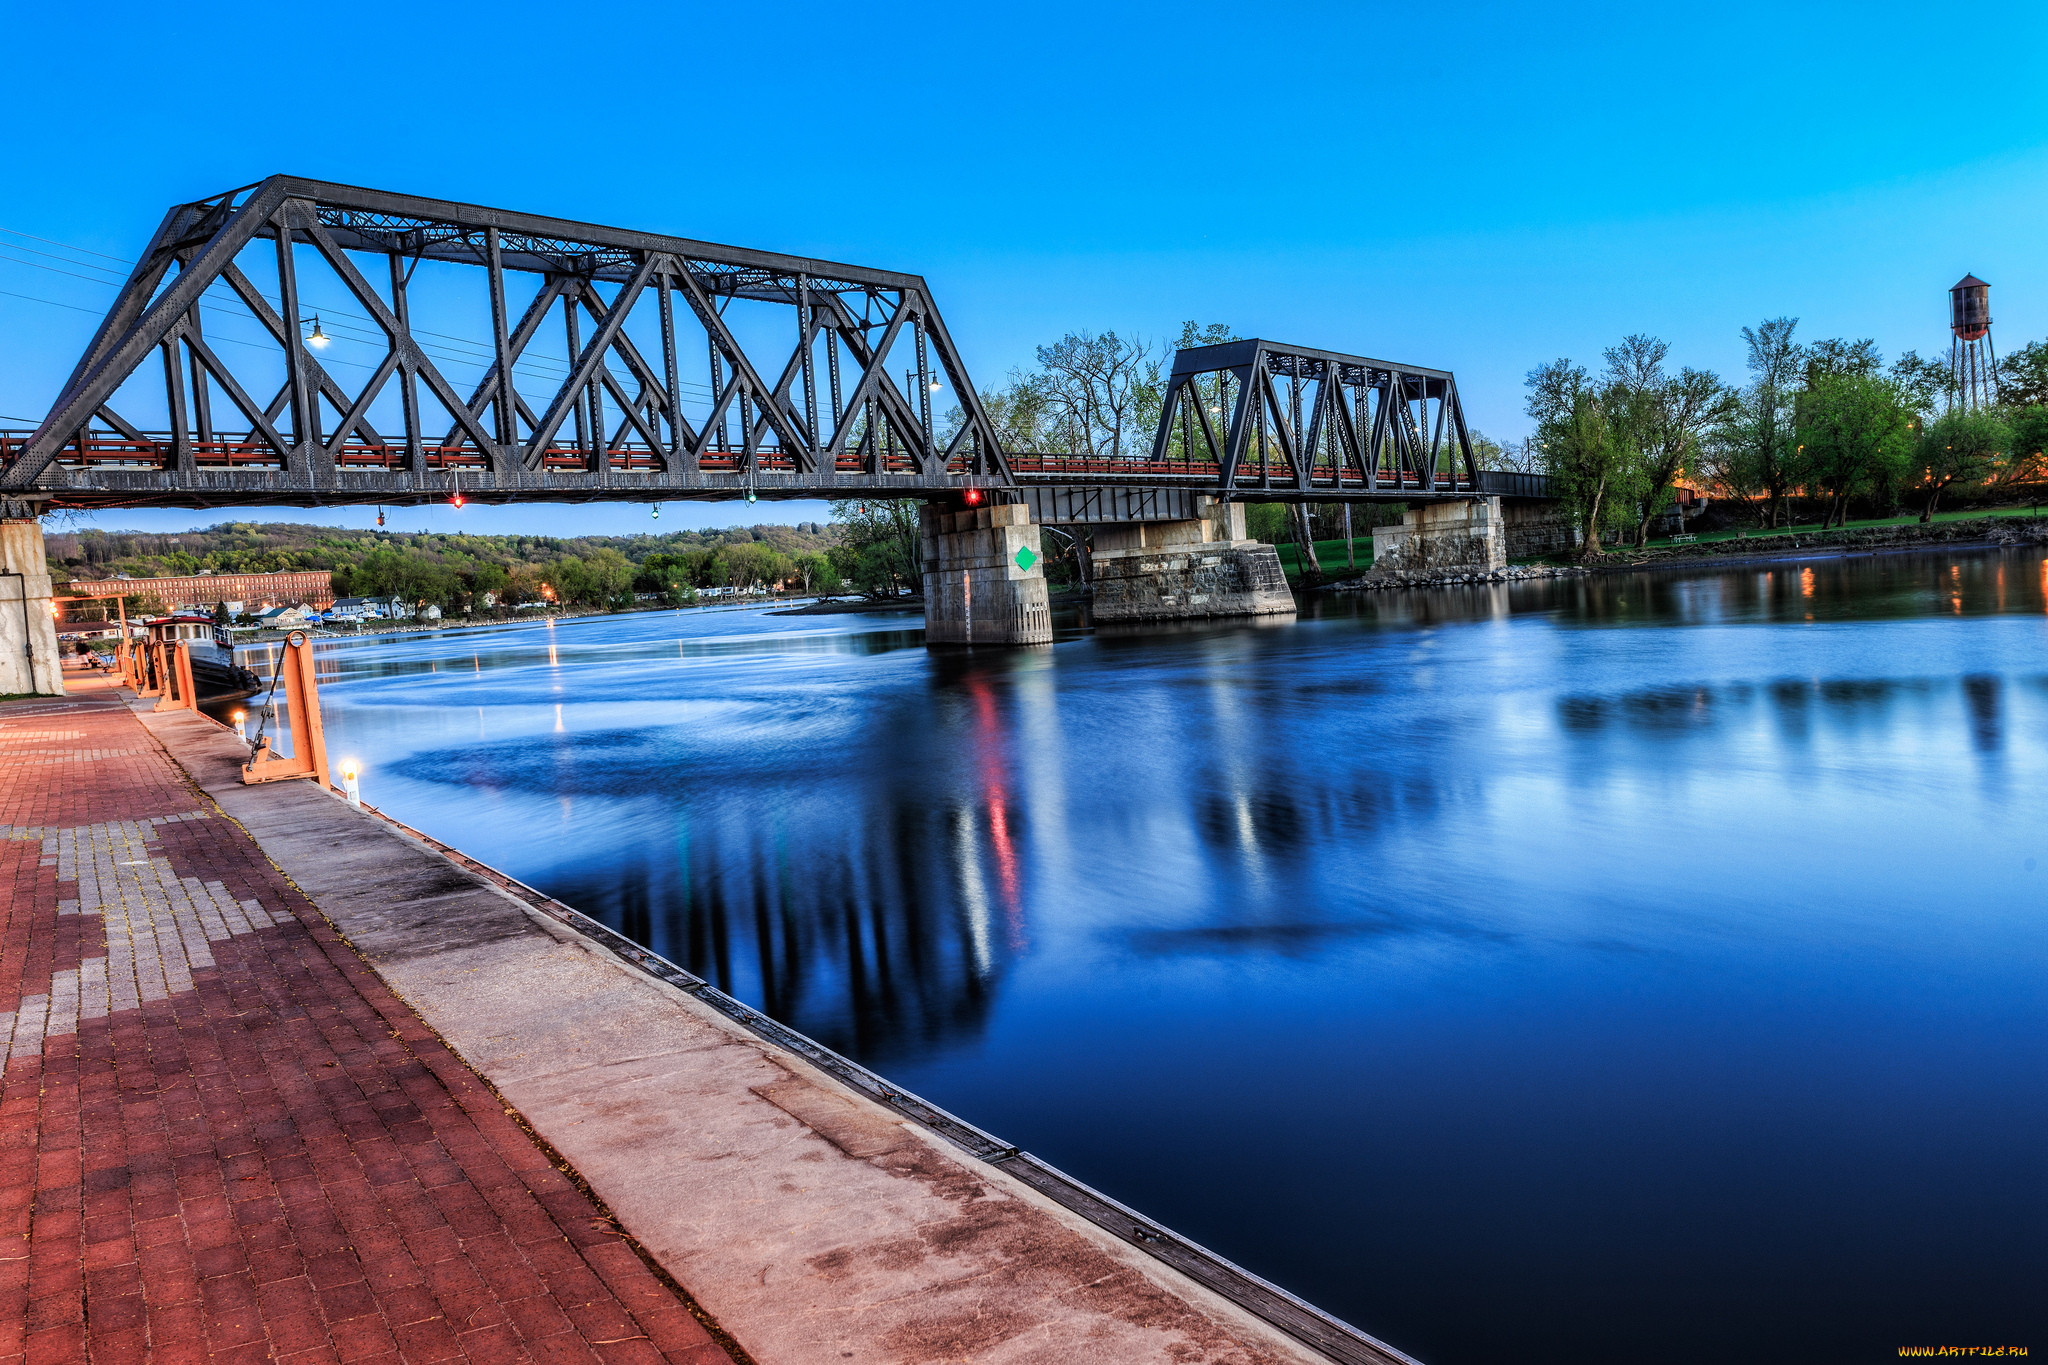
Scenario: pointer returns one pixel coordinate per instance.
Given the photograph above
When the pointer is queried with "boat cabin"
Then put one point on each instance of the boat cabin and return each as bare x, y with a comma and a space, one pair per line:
172, 629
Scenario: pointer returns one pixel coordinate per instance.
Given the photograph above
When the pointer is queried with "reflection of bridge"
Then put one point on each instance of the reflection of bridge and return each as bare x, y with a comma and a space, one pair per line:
630, 366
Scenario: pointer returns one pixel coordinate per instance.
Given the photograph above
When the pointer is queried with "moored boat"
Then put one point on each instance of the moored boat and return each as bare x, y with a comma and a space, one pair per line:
215, 674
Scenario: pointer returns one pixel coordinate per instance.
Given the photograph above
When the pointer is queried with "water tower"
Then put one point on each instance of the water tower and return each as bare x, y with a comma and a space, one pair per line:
1971, 357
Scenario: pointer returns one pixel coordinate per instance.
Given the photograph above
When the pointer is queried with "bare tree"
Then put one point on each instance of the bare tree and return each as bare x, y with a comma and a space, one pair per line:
1097, 390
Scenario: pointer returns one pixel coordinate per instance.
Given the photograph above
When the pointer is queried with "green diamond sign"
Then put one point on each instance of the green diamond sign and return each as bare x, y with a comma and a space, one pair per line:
1025, 559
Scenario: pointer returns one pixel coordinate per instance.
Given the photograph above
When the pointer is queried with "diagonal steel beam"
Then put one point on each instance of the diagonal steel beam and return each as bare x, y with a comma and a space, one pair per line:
723, 339
401, 339
252, 299
535, 451
486, 391
153, 321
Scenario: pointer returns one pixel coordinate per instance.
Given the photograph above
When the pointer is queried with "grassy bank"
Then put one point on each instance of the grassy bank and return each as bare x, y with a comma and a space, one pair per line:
1812, 528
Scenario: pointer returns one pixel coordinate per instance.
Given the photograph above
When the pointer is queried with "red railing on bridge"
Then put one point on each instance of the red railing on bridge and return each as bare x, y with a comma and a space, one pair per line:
116, 452
1143, 470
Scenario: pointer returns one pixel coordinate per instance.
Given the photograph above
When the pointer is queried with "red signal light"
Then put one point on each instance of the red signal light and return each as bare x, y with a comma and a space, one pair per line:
973, 497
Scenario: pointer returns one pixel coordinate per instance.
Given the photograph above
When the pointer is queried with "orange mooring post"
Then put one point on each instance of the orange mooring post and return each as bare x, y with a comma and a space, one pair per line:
179, 693
124, 652
302, 700
150, 677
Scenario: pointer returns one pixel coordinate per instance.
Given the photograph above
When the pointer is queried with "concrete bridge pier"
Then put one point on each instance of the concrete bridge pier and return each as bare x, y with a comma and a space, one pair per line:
984, 576
1186, 570
29, 661
1437, 538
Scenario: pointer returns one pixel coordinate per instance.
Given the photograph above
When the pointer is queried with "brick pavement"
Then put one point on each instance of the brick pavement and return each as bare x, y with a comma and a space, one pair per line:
222, 1137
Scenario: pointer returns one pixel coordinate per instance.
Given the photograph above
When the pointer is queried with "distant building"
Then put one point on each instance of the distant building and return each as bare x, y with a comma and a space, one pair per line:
283, 618
311, 587
365, 608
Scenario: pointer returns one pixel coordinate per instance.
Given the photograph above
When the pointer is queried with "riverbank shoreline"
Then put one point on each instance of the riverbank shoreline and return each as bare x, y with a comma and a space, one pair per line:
1984, 534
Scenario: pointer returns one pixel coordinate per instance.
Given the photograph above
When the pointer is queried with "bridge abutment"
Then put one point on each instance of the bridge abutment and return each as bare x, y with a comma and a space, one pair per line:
29, 661
984, 577
1186, 570
1440, 538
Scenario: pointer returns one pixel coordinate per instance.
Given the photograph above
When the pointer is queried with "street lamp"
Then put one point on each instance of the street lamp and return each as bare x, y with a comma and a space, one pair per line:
319, 338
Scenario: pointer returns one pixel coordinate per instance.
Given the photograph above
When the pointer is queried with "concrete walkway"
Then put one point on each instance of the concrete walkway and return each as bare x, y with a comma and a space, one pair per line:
222, 1137
804, 1221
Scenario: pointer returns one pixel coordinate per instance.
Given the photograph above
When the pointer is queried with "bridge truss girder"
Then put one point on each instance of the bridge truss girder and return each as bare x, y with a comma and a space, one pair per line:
1370, 429
497, 444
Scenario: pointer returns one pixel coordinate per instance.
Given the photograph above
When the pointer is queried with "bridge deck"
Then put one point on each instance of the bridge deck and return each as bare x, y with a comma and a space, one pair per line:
109, 472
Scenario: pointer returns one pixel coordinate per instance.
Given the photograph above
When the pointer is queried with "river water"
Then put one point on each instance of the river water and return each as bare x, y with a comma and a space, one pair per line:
1632, 968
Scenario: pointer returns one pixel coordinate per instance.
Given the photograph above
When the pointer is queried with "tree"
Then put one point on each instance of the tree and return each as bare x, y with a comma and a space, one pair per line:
1577, 438
2023, 376
1838, 357
1925, 381
1754, 442
756, 565
608, 578
568, 581
1959, 447
1662, 419
816, 572
884, 537
1101, 393
2029, 449
1855, 431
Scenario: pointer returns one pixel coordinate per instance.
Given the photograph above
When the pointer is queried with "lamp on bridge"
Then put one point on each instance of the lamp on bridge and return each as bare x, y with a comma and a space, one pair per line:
319, 338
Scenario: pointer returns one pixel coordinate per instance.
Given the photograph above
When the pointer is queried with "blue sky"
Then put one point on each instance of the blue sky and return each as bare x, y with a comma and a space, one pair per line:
1479, 187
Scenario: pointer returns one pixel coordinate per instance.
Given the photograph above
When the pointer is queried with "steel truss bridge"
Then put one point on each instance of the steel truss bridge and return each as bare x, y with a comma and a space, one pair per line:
684, 370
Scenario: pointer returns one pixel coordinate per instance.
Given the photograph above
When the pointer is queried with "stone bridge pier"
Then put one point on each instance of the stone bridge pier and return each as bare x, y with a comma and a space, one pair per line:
1436, 538
984, 576
29, 661
984, 567
1186, 570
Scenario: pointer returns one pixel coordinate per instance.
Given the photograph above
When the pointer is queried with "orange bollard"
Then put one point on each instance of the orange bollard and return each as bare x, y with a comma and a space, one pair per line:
179, 692
302, 699
150, 674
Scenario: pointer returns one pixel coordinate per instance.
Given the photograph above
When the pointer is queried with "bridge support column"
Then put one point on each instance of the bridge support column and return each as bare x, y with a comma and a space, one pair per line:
29, 661
984, 577
1438, 538
1187, 570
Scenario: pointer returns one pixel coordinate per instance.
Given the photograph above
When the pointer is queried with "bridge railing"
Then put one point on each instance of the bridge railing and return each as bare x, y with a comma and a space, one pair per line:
1508, 483
106, 452
1278, 476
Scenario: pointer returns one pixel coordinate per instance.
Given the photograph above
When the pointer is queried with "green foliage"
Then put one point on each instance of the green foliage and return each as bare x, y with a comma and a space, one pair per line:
1661, 421
1749, 454
452, 572
882, 535
2028, 460
1959, 447
1266, 521
2023, 376
1580, 448
1926, 382
1833, 357
1855, 435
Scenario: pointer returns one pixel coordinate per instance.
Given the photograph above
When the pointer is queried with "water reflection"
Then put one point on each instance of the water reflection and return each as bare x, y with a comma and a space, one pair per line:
1586, 942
